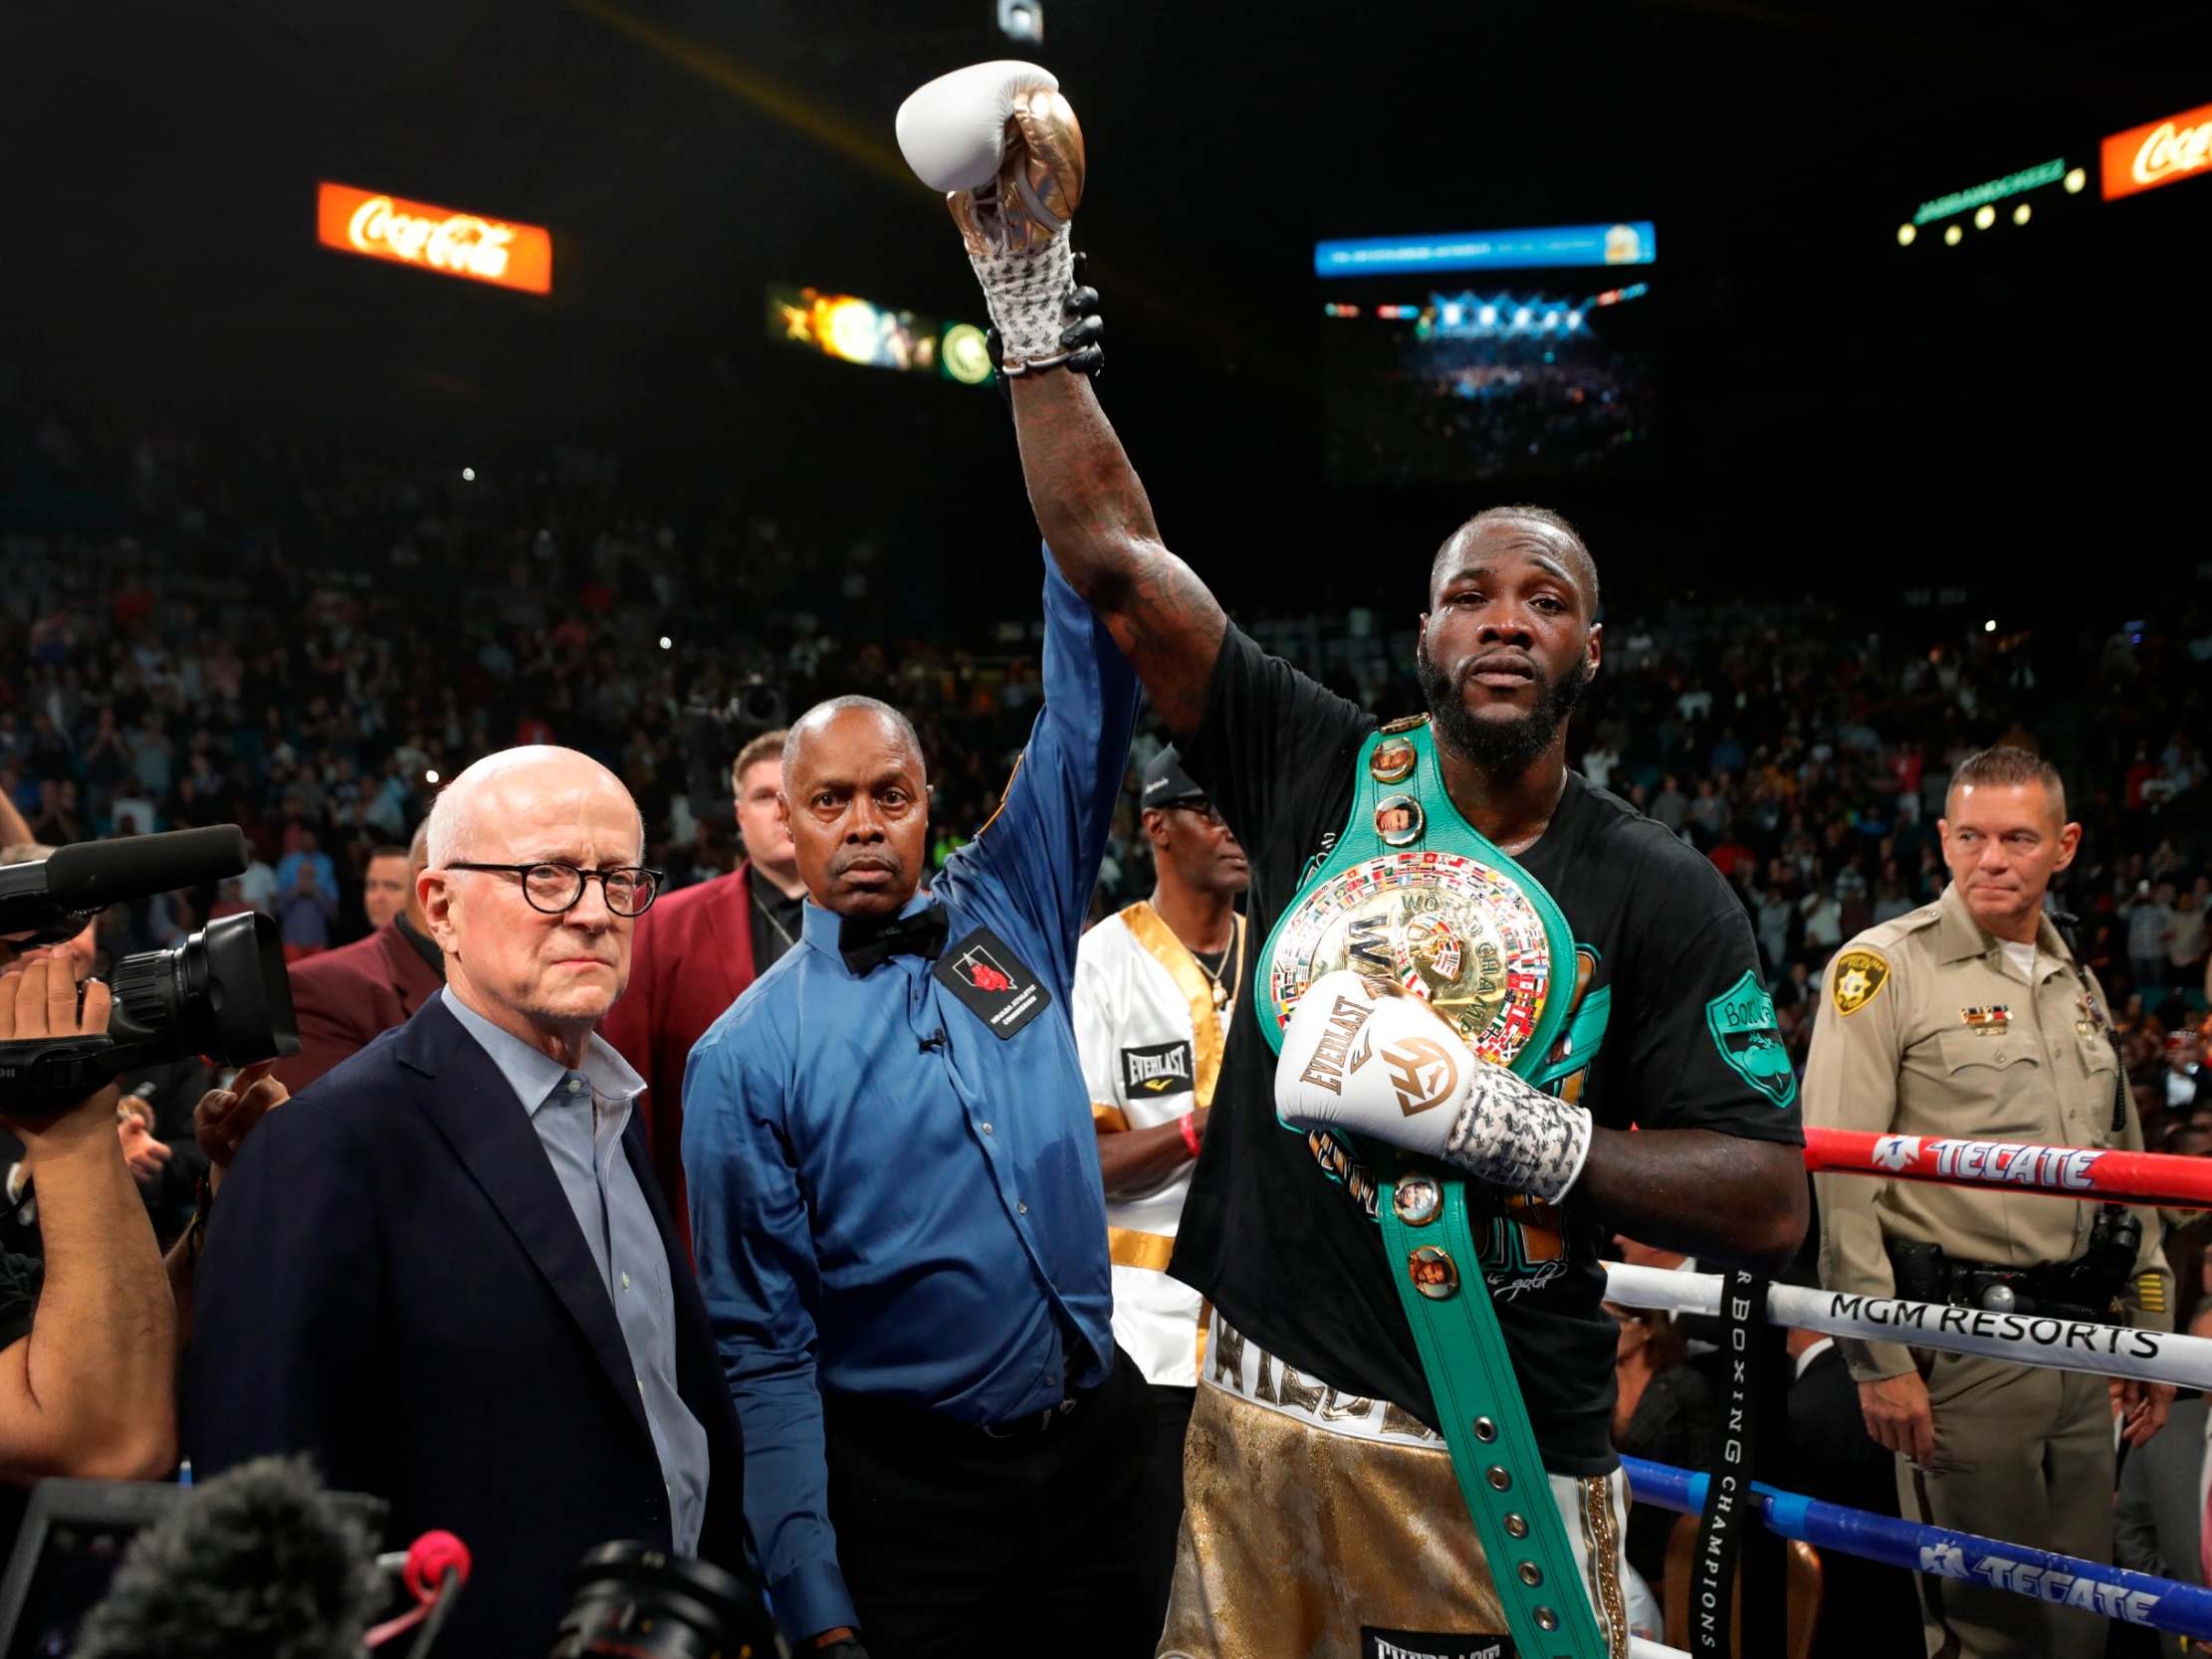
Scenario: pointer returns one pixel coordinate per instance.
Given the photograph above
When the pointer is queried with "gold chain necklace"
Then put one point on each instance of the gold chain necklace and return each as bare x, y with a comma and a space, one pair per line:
1224, 992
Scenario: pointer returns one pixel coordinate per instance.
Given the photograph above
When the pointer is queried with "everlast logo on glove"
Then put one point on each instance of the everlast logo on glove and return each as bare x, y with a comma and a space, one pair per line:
1416, 1644
1160, 1068
1326, 1069
990, 980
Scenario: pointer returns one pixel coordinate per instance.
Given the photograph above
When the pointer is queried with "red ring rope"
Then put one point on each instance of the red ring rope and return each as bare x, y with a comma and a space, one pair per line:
2063, 1171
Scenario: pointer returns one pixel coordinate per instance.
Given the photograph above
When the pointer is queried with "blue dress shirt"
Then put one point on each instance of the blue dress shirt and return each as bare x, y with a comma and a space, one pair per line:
580, 1116
886, 1198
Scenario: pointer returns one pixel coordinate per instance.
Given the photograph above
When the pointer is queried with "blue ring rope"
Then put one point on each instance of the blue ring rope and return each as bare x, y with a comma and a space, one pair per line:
2064, 1580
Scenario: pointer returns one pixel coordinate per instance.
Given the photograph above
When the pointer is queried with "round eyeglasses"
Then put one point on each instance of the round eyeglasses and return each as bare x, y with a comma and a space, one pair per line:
558, 888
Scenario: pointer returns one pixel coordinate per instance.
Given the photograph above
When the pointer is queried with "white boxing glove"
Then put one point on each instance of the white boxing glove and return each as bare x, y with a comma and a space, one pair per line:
1005, 148
1387, 1066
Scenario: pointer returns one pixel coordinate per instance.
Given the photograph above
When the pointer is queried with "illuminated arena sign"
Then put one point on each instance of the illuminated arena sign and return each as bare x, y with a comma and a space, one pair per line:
464, 245
2159, 153
1633, 241
856, 331
1996, 190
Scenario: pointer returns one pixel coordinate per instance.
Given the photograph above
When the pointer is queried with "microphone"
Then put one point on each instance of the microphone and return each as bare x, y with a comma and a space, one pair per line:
434, 1568
258, 1561
934, 1042
71, 883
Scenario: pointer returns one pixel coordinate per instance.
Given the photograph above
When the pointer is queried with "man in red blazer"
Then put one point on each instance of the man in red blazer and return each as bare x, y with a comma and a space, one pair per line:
697, 950
345, 997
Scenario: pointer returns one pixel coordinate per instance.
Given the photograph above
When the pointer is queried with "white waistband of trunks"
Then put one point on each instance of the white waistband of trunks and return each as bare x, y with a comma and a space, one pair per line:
1241, 1368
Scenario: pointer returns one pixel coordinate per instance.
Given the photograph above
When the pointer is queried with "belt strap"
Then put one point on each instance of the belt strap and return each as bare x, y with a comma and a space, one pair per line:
1486, 1424
1455, 1327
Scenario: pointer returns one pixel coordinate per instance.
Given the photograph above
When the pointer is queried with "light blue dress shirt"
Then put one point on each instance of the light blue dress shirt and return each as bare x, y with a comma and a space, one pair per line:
886, 1198
580, 1116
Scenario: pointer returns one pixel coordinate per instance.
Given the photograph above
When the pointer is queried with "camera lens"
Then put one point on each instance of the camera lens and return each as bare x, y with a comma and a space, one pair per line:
639, 1603
223, 994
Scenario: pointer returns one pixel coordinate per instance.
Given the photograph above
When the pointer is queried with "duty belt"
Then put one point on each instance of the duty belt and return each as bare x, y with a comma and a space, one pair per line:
1414, 893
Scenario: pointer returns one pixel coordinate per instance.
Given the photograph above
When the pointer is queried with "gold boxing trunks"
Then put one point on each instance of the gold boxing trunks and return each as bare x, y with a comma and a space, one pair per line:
1310, 1516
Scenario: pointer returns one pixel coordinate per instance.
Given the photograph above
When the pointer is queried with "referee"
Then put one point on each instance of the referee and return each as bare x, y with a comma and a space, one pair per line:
896, 1204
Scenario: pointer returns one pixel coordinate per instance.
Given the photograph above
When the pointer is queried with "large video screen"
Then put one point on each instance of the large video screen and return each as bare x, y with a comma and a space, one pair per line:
1489, 355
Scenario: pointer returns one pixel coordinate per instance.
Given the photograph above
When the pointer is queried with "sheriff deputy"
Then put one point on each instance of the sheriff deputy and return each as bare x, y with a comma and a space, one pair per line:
1970, 1018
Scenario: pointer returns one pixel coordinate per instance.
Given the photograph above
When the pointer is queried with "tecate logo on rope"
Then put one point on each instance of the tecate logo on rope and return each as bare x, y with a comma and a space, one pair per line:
2044, 1584
1995, 1161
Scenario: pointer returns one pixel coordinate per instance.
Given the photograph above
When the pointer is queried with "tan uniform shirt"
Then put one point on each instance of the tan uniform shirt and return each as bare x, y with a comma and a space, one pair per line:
1926, 1027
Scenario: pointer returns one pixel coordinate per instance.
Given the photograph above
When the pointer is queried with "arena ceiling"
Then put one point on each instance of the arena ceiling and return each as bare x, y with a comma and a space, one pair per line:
161, 165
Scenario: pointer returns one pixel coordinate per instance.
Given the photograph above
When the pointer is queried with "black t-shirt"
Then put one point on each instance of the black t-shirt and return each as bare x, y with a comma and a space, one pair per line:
1686, 1042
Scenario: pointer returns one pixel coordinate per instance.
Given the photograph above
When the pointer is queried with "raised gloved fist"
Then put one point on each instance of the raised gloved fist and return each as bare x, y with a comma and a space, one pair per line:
1387, 1066
1005, 146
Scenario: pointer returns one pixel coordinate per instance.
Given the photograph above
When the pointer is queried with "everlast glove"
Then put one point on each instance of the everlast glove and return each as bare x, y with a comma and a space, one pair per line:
1387, 1066
1005, 146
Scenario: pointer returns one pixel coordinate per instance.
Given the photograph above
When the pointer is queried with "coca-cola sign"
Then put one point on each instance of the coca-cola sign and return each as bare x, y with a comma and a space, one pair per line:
2159, 152
465, 245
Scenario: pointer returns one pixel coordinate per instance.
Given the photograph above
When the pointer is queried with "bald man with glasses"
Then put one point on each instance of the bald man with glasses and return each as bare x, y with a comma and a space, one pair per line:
447, 1271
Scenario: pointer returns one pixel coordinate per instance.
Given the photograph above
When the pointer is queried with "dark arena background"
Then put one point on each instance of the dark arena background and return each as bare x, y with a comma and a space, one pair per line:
383, 386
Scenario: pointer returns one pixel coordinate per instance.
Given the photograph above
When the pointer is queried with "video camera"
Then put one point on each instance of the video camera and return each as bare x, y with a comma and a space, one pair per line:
222, 993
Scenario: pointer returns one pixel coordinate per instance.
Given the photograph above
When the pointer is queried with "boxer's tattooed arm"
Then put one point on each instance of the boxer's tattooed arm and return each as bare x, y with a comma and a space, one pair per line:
1699, 1191
1094, 511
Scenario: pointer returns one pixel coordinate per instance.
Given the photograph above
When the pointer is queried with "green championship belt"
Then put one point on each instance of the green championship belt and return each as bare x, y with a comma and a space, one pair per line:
1414, 894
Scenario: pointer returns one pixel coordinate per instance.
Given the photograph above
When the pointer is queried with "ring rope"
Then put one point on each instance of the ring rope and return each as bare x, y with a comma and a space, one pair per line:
2086, 1174
2041, 1574
2022, 1338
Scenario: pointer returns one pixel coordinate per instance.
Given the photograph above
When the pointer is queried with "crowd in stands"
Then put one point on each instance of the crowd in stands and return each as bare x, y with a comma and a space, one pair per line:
200, 639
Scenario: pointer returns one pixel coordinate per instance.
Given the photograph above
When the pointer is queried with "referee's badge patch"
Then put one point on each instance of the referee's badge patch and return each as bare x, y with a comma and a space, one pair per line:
1859, 976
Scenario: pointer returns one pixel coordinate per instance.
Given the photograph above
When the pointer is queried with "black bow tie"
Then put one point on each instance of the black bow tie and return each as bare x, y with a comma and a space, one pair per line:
865, 941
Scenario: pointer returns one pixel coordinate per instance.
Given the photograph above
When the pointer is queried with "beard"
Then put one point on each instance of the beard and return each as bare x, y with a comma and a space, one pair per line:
1501, 747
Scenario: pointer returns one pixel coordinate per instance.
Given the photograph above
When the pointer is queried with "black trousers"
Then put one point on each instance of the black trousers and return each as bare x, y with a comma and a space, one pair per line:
1163, 1495
953, 1543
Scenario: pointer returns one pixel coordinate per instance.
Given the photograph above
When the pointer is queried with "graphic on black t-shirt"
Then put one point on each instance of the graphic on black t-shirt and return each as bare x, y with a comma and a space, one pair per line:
1660, 940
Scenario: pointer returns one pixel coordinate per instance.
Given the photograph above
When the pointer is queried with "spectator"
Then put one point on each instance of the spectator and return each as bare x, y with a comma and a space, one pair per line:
1663, 1411
1823, 922
2158, 1524
344, 998
2185, 939
1670, 806
1863, 1610
310, 853
387, 885
548, 1382
305, 912
698, 950
2188, 1081
1597, 763
2149, 917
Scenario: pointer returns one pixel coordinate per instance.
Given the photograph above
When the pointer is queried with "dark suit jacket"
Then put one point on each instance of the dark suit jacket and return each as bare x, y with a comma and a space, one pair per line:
344, 997
393, 1281
1866, 1608
691, 957
2158, 1524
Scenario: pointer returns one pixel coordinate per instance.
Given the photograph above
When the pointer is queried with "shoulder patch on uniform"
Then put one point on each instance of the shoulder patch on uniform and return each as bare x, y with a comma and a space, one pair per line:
1405, 723
1860, 975
1742, 1020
